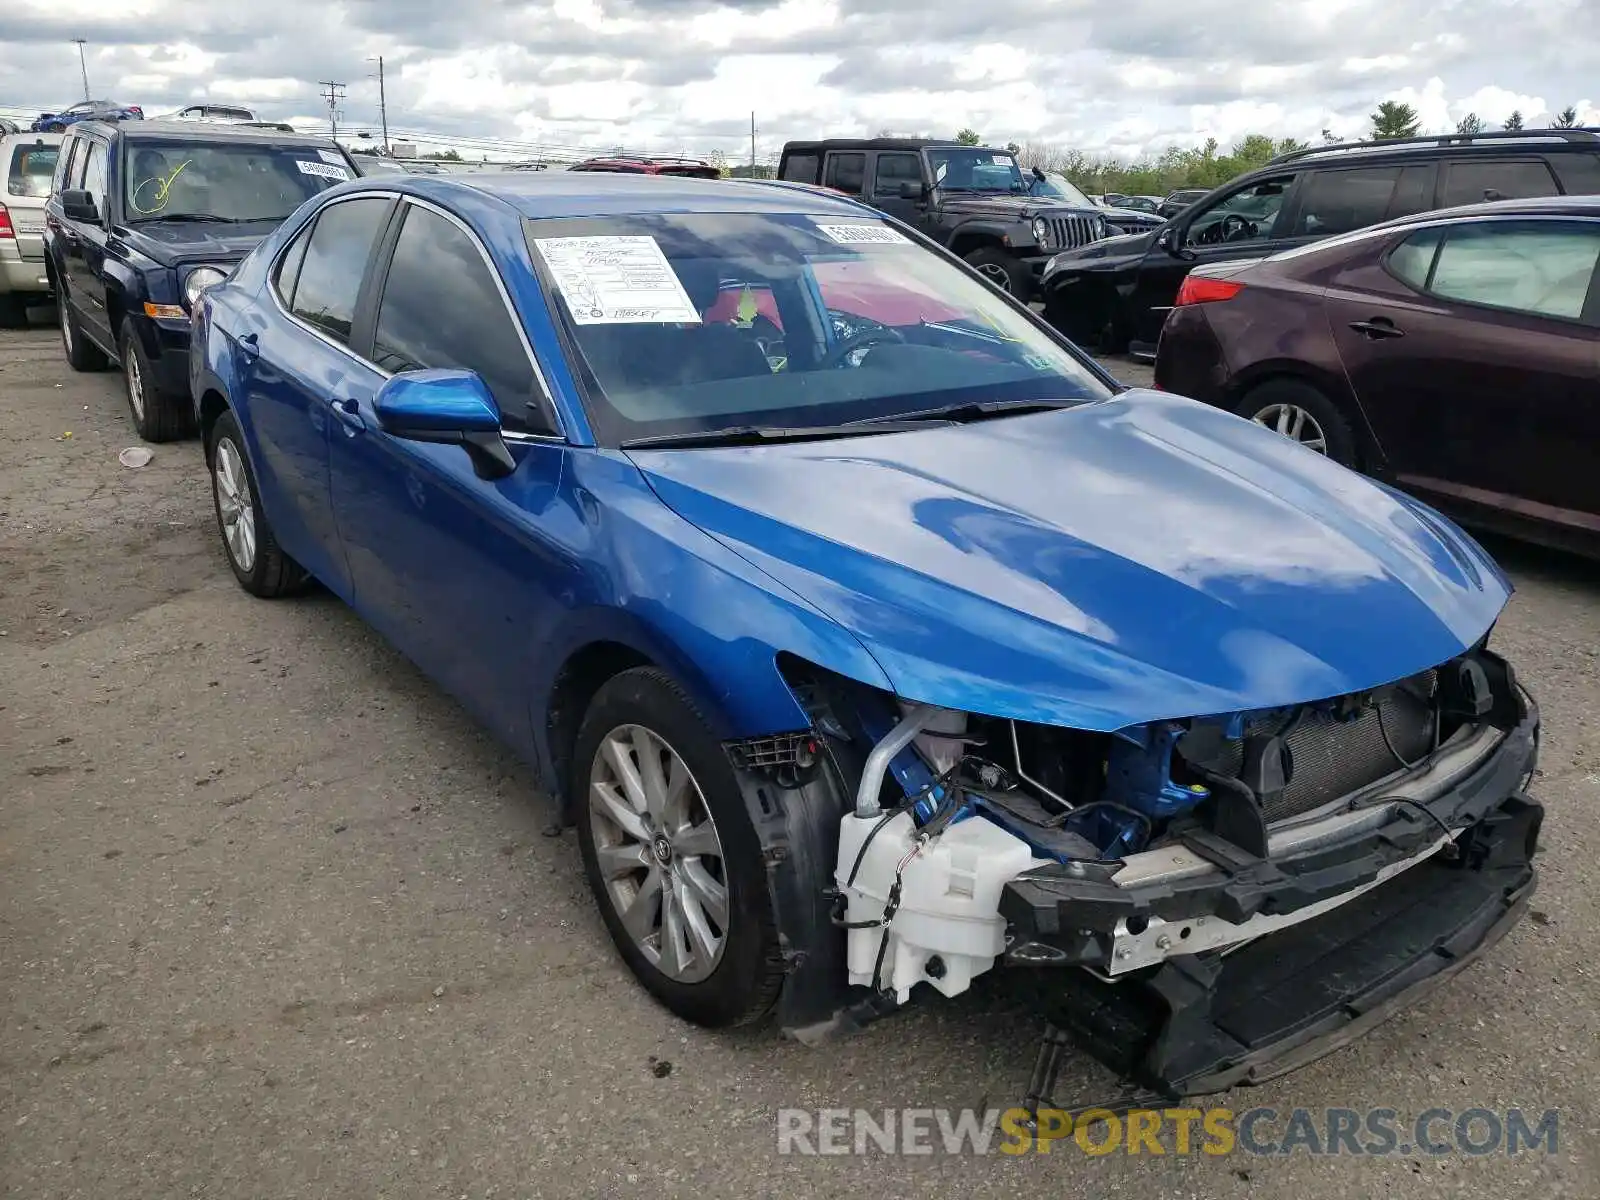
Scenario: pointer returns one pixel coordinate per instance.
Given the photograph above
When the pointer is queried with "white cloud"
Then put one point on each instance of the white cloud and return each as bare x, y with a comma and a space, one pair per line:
683, 75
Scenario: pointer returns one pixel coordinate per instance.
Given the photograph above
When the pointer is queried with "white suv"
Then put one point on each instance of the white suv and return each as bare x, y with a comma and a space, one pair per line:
28, 163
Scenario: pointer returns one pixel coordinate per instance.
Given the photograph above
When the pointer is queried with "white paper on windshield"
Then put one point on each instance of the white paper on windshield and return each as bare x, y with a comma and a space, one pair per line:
330, 156
326, 170
617, 280
862, 235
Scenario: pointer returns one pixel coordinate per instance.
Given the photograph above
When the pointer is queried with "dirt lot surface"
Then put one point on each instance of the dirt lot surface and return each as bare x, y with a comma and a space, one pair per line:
278, 921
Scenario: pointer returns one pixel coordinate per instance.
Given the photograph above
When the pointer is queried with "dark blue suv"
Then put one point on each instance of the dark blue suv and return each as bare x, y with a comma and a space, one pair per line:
144, 216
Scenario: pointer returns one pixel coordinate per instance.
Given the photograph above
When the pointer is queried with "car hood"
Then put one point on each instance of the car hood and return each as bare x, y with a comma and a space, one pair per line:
1132, 216
1008, 208
173, 242
1138, 558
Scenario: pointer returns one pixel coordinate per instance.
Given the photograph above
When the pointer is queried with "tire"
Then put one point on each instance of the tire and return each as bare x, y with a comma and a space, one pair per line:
1276, 404
258, 562
1002, 270
644, 713
82, 354
159, 416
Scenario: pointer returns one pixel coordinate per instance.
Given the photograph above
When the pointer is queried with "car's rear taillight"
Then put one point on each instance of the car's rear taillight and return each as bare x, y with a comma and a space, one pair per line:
5, 224
1198, 289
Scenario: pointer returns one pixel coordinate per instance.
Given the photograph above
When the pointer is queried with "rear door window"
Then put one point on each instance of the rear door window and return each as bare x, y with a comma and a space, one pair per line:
1496, 179
1414, 192
1542, 268
335, 264
845, 172
1345, 200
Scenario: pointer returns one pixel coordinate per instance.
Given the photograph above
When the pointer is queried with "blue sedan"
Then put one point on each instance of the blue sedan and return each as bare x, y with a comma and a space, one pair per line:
870, 634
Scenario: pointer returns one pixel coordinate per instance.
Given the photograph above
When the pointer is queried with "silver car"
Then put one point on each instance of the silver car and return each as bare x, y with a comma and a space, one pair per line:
28, 161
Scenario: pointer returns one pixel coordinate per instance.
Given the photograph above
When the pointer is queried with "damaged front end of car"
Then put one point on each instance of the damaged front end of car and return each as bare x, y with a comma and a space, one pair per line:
1205, 901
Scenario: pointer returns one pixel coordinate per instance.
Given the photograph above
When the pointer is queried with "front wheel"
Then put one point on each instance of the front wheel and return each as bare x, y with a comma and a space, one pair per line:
671, 854
1002, 270
158, 416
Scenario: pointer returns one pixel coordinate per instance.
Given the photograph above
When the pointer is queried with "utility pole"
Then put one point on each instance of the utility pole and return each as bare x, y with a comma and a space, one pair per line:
752, 145
383, 107
333, 94
81, 67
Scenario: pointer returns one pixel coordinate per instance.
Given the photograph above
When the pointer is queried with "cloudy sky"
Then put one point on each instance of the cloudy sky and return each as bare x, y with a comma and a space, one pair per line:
1117, 76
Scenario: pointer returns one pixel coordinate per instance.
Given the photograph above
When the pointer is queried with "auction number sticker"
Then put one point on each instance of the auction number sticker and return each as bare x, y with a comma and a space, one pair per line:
862, 235
331, 157
617, 280
325, 170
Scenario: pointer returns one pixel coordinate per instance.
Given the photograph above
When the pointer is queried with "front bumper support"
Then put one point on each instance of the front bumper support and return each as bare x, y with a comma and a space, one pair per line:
1202, 1023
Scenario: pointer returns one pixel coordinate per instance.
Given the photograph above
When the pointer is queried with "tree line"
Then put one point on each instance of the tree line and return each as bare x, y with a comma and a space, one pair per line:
1208, 165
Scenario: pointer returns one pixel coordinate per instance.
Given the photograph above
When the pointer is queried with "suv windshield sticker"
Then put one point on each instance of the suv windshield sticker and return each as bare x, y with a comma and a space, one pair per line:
326, 170
330, 156
861, 235
150, 195
616, 280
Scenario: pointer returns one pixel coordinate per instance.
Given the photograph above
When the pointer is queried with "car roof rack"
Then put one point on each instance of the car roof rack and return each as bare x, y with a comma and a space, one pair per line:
1583, 136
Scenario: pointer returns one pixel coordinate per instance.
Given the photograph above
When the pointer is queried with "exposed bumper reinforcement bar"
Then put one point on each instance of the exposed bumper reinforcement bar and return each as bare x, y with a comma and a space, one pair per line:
1203, 1023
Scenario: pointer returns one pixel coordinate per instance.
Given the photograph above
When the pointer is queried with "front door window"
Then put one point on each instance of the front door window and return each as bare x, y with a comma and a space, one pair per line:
1245, 216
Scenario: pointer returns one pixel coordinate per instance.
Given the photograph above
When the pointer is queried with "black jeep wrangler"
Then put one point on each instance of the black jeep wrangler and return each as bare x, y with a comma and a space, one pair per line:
973, 200
143, 215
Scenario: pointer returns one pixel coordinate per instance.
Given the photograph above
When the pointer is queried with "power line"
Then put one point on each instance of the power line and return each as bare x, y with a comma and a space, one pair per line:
333, 93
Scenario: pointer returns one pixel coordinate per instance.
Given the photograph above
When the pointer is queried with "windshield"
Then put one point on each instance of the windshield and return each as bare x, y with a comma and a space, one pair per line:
227, 182
703, 322
958, 169
1059, 187
31, 169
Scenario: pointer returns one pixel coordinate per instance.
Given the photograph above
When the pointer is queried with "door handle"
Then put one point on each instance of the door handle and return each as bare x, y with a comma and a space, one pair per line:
249, 346
1377, 328
349, 414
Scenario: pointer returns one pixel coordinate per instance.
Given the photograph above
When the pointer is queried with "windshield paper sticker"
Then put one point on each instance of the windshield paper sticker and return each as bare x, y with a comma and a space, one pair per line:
326, 170
862, 235
617, 280
330, 156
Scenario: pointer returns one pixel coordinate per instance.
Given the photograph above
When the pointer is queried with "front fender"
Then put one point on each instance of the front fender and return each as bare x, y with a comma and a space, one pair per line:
682, 599
987, 229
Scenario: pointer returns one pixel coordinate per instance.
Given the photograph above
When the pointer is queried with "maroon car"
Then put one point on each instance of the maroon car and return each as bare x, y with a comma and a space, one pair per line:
1456, 353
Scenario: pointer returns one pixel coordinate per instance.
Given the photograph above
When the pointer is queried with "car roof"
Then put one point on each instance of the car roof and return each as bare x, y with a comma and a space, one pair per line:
873, 144
206, 131
539, 194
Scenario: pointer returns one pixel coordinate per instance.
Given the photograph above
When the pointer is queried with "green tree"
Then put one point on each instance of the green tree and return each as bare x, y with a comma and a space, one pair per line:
1395, 120
1014, 147
1567, 118
1514, 121
968, 137
1471, 123
1330, 138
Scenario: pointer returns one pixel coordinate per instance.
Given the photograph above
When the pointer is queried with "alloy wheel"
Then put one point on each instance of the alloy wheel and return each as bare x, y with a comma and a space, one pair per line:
135, 375
996, 274
659, 854
1294, 423
235, 508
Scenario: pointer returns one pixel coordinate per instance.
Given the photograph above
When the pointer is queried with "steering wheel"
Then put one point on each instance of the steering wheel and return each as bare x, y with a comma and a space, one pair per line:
1233, 225
867, 337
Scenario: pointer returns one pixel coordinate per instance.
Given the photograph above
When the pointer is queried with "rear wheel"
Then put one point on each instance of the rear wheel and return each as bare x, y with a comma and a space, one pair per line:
82, 354
259, 564
671, 853
1000, 269
159, 416
1302, 414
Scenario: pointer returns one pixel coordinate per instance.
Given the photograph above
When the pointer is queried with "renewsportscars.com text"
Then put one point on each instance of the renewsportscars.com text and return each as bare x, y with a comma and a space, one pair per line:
1373, 1132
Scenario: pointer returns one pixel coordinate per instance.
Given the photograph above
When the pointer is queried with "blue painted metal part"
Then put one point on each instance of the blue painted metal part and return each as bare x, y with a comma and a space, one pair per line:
1138, 559
436, 401
1139, 772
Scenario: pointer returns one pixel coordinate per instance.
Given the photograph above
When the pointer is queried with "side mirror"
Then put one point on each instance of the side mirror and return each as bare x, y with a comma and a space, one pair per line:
79, 205
449, 407
911, 191
1171, 239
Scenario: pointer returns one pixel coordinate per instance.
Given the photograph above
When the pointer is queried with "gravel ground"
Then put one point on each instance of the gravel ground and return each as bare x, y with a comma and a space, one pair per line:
277, 920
